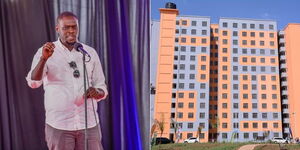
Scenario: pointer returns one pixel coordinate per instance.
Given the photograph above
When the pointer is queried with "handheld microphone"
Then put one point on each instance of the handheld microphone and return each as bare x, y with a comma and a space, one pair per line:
78, 47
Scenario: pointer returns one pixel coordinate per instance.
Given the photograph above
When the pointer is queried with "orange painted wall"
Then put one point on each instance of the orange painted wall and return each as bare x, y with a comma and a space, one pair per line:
165, 68
292, 44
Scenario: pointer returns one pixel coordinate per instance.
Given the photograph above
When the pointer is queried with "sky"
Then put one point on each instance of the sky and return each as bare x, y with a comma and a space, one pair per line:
282, 11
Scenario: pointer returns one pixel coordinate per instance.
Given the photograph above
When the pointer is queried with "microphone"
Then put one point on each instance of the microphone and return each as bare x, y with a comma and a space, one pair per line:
78, 47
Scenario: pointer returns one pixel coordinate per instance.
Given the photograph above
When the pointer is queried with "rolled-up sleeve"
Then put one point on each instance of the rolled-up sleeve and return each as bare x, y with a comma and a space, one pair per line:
36, 83
98, 79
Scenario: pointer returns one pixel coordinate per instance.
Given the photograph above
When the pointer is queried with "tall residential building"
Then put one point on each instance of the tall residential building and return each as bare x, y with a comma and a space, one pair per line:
289, 53
221, 82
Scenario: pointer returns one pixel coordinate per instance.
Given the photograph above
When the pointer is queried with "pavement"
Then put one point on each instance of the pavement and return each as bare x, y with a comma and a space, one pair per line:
248, 147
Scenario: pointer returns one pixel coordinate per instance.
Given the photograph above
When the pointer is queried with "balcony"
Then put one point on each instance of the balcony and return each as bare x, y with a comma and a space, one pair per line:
283, 74
285, 111
282, 57
281, 40
281, 33
284, 92
285, 101
284, 83
286, 120
282, 49
283, 65
286, 130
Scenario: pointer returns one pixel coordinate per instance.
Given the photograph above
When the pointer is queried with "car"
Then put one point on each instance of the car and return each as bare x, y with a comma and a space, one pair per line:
191, 140
279, 140
163, 140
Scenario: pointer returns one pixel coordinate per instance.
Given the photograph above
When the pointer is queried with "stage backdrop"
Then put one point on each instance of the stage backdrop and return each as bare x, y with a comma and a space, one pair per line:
118, 30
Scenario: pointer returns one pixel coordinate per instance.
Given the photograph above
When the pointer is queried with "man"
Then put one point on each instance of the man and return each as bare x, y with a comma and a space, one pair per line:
58, 66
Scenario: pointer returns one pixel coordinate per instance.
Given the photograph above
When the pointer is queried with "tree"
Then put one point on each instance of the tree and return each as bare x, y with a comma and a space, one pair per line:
199, 131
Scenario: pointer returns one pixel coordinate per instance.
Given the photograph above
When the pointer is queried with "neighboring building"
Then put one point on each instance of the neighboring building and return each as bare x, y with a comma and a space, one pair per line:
224, 78
289, 51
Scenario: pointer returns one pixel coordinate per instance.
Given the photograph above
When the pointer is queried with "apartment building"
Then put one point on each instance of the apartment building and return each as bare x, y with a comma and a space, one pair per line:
221, 81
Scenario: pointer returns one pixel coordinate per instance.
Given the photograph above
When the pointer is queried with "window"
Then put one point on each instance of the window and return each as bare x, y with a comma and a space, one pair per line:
180, 95
180, 115
272, 43
274, 106
252, 51
263, 87
254, 115
245, 105
235, 59
194, 23
190, 125
271, 27
235, 42
235, 96
252, 26
261, 43
254, 86
202, 95
252, 42
264, 105
235, 50
265, 125
271, 35
204, 23
224, 33
224, 125
244, 42
193, 31
204, 32
246, 135
224, 135
183, 31
261, 26
244, 25
190, 115
263, 96
180, 105
235, 125
225, 24
184, 22
182, 66
245, 115
203, 49
246, 125
177, 22
261, 34
224, 115
191, 95
244, 59
275, 115
192, 58
203, 41
224, 50
235, 105
262, 51
254, 105
182, 57
234, 25
274, 96
192, 67
181, 76
183, 48
202, 115
193, 49
189, 135
202, 105
183, 40
235, 115
275, 125
177, 31
202, 86
244, 34
191, 105
252, 34
224, 105
264, 115
234, 33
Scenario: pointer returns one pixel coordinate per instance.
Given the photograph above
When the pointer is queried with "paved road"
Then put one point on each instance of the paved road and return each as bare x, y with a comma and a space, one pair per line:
248, 147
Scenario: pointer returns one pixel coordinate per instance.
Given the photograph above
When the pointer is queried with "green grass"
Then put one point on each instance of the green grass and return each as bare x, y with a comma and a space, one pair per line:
277, 147
199, 146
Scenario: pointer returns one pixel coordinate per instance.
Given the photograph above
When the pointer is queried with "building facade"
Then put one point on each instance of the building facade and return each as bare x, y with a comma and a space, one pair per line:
221, 82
